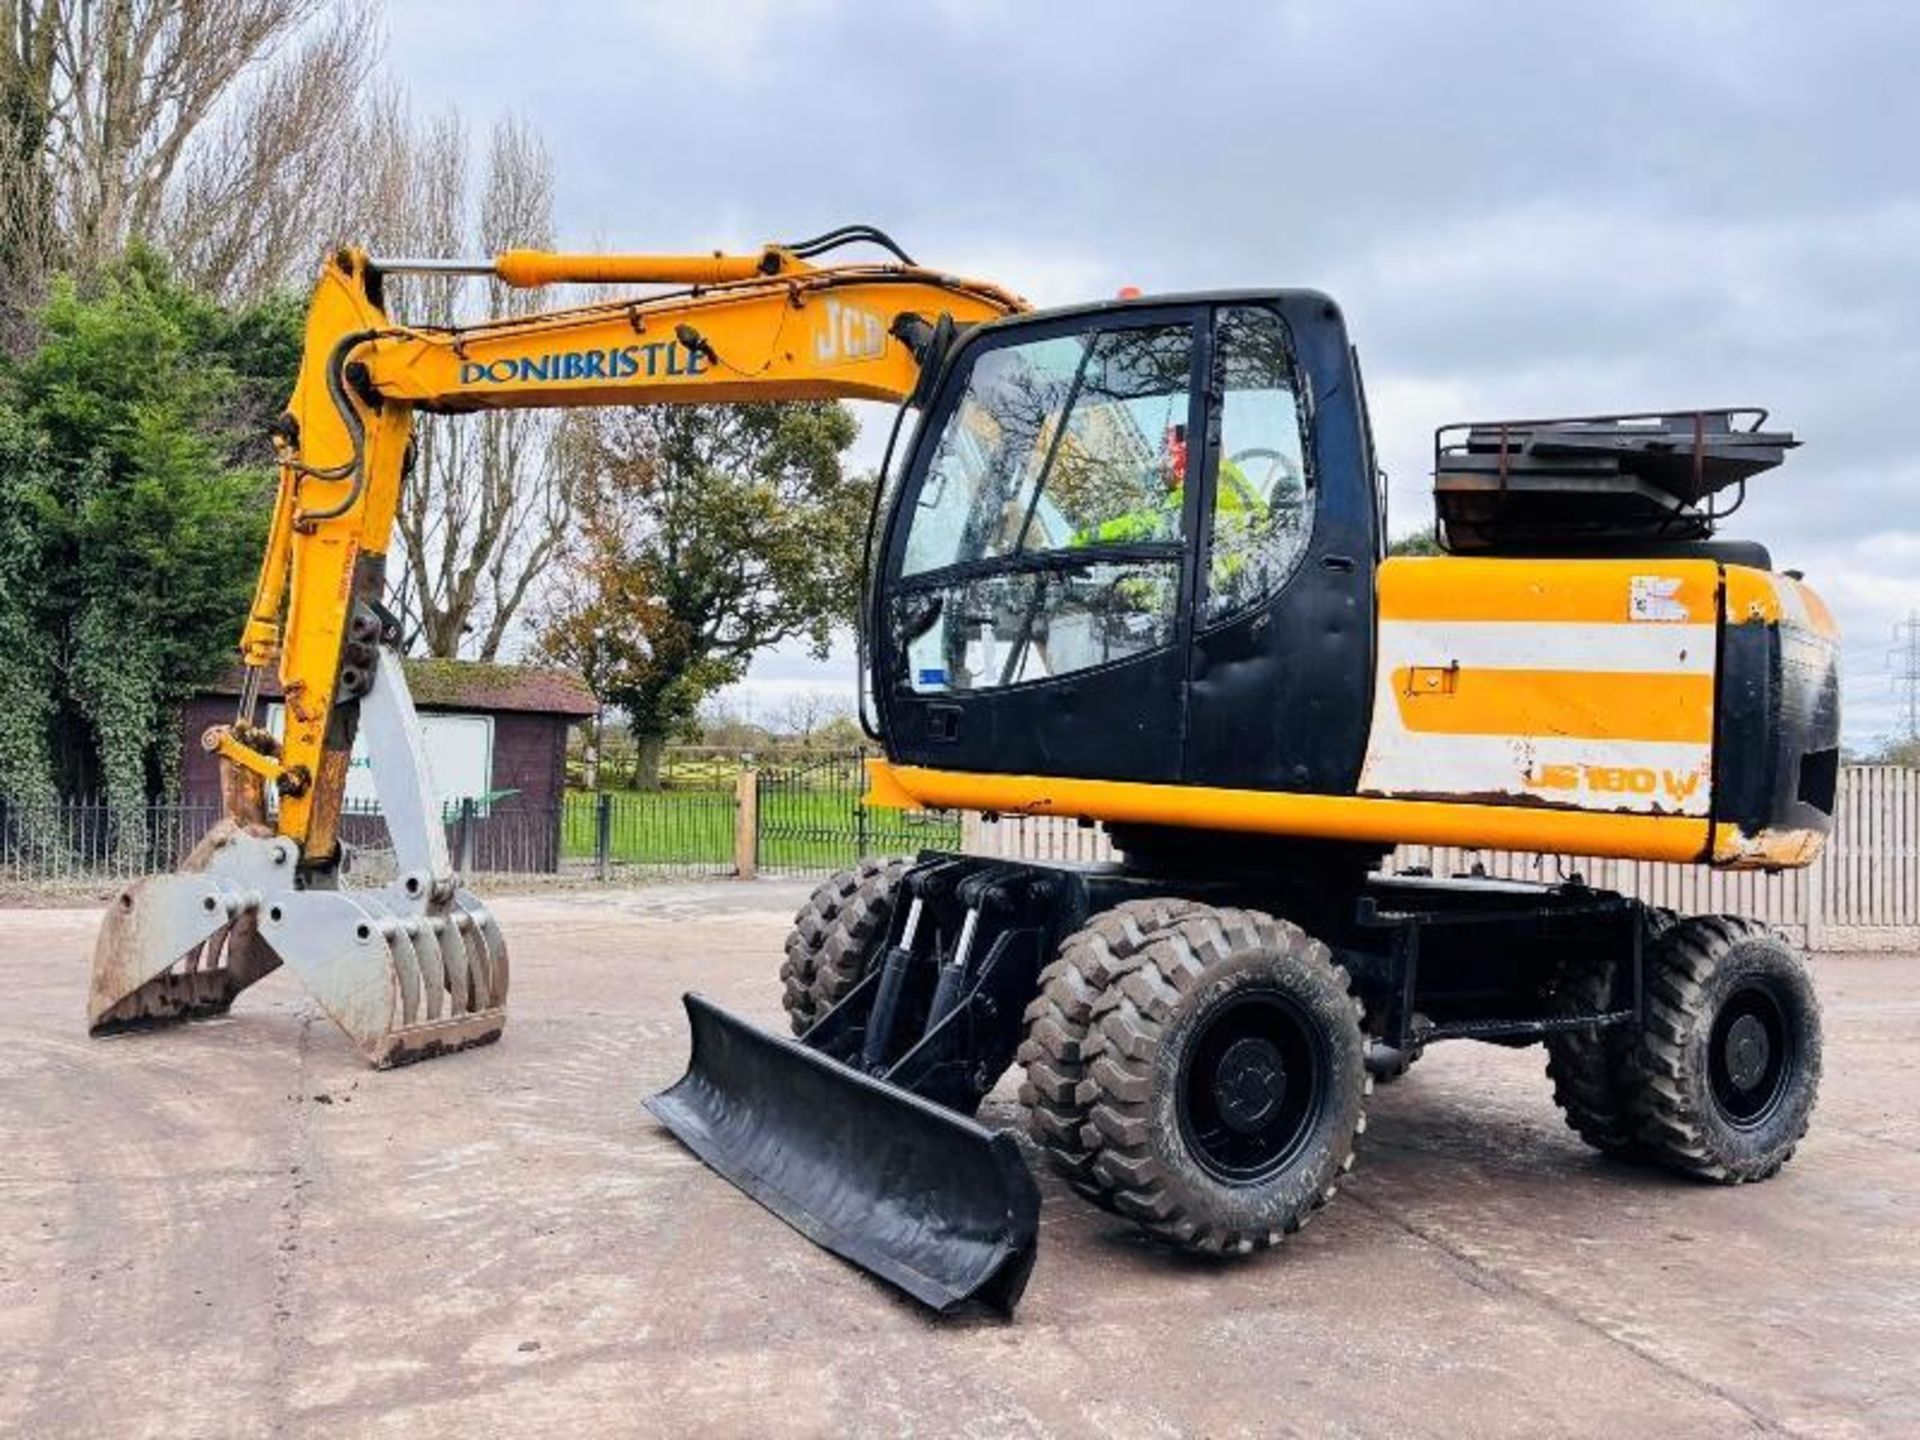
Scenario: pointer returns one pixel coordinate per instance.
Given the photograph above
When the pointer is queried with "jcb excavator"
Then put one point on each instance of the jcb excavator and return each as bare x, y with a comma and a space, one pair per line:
1129, 569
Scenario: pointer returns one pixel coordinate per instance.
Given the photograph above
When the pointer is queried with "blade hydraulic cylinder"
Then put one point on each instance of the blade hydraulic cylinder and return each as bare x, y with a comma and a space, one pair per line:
886, 1002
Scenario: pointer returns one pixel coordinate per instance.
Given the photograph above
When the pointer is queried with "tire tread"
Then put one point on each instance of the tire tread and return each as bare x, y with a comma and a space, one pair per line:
834, 936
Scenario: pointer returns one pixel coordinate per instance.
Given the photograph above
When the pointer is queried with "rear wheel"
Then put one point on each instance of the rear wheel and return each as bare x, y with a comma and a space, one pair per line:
1056, 1051
837, 935
1594, 1071
1729, 1060
1226, 1081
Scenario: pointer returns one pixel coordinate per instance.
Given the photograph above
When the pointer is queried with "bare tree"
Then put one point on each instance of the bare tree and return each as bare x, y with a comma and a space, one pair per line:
276, 177
216, 128
804, 714
487, 506
28, 238
243, 137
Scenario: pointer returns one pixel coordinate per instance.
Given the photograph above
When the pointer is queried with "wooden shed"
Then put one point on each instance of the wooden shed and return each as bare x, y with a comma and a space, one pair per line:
496, 736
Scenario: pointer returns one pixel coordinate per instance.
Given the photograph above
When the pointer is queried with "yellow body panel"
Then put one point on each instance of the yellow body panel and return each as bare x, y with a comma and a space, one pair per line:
1578, 684
1263, 812
1591, 592
1445, 701
1759, 597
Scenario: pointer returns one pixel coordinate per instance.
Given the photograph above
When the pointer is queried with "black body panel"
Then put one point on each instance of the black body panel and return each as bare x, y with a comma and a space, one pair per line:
1278, 699
1120, 722
1777, 728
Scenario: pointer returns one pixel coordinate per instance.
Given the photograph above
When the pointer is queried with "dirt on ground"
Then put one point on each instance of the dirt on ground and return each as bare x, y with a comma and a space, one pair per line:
235, 1229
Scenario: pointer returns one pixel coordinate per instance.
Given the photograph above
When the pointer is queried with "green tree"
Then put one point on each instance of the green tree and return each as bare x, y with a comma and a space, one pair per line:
704, 535
1424, 541
27, 654
134, 474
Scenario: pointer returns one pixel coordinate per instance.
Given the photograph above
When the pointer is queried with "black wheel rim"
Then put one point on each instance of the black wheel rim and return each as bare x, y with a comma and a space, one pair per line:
1752, 1056
1252, 1086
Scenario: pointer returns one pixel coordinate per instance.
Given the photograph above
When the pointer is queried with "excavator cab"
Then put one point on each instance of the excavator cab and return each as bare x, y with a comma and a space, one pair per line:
1128, 536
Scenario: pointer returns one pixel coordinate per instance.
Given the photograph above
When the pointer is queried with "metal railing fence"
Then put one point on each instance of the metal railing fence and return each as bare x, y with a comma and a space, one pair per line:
1863, 892
715, 814
73, 840
810, 819
801, 815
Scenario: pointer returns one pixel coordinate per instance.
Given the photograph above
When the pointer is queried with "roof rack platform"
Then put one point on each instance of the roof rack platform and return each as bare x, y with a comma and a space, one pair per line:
1591, 484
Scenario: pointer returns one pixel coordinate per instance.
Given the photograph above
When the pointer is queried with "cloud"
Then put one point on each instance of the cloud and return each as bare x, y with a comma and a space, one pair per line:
1523, 208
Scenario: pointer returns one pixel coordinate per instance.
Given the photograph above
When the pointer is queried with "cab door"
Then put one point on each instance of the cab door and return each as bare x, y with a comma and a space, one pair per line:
1280, 675
1033, 616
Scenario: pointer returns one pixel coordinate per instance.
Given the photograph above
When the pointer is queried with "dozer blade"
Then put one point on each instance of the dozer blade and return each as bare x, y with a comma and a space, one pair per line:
919, 1195
406, 974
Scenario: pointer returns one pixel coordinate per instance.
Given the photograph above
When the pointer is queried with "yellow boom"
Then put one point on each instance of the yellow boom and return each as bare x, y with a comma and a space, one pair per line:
762, 327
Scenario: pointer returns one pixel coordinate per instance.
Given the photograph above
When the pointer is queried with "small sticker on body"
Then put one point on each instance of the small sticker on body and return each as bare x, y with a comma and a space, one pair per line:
1654, 598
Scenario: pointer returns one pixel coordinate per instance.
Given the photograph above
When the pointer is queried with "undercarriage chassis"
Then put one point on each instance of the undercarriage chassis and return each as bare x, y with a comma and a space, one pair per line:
860, 1133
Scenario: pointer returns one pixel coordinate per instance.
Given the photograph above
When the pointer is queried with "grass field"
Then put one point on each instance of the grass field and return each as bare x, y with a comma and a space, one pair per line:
801, 828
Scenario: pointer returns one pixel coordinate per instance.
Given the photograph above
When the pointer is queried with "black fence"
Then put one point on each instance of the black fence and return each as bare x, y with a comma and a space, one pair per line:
802, 816
61, 840
606, 835
811, 820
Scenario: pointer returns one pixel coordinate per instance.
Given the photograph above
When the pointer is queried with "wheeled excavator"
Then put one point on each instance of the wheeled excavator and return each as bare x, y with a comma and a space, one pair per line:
1127, 566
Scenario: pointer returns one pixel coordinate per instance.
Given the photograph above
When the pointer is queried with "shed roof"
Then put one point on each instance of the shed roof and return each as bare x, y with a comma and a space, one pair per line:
469, 685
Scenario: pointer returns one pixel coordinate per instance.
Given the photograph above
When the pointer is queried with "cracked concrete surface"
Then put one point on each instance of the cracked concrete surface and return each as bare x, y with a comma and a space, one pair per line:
235, 1229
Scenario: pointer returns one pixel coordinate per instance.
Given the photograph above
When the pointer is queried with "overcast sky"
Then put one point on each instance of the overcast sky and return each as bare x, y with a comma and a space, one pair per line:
1523, 208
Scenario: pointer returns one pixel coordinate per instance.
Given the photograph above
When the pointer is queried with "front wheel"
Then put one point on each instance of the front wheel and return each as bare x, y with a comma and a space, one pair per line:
1059, 1043
1227, 1081
837, 936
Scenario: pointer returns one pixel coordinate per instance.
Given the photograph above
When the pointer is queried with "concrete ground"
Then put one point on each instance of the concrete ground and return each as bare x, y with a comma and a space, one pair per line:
235, 1229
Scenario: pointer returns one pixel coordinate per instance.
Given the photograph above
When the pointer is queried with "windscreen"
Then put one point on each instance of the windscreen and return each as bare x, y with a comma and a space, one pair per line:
1066, 442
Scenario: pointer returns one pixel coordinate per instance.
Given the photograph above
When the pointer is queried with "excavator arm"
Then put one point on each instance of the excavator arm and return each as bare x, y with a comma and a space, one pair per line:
768, 326
765, 327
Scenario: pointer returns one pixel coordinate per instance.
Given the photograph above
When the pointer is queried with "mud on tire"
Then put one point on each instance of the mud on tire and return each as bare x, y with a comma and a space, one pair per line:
1055, 1091
1729, 1059
1226, 1081
835, 936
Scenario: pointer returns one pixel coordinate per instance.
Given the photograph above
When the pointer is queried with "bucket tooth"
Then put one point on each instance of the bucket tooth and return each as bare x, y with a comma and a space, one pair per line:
479, 932
923, 1197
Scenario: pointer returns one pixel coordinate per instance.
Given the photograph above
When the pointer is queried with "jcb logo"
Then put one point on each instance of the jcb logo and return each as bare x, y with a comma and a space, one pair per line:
846, 333
1676, 785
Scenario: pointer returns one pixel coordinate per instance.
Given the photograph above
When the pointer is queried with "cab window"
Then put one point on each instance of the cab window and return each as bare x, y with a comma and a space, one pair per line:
1263, 493
1060, 452
1061, 443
